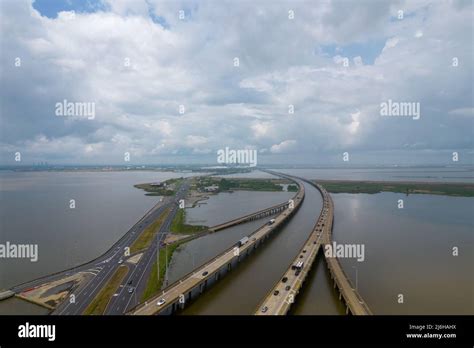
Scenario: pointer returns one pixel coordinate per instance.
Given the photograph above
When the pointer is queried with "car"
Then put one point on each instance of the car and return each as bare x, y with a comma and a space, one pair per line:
287, 287
161, 302
205, 273
120, 261
304, 250
284, 279
276, 292
301, 256
130, 290
264, 309
129, 282
298, 271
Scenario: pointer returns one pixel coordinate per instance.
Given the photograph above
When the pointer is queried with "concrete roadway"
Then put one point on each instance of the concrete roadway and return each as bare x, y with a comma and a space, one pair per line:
104, 266
139, 274
209, 269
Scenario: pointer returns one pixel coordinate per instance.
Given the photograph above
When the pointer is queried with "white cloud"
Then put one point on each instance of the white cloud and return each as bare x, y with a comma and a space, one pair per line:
283, 147
83, 58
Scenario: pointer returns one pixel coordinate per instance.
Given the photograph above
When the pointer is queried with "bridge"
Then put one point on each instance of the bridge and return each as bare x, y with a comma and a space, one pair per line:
352, 299
280, 298
253, 216
181, 292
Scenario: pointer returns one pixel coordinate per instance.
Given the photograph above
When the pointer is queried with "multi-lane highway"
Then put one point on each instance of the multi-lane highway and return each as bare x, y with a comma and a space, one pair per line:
104, 266
137, 277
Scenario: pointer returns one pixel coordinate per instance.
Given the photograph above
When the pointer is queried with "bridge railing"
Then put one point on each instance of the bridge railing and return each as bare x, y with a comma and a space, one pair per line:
205, 264
245, 217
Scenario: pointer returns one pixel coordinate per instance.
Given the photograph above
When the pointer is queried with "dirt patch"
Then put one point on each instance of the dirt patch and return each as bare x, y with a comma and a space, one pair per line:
52, 293
171, 238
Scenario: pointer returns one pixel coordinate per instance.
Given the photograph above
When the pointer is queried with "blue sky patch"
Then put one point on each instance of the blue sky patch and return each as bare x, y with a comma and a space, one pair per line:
51, 8
367, 50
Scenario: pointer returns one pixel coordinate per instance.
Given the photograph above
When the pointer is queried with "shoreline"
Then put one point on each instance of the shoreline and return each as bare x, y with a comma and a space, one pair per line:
453, 189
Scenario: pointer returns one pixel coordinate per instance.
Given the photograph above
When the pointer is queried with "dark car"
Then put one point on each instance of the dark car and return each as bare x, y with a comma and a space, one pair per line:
287, 287
205, 273
284, 279
276, 292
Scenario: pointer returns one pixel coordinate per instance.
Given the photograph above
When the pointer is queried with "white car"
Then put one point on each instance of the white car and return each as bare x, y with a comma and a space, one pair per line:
161, 302
120, 261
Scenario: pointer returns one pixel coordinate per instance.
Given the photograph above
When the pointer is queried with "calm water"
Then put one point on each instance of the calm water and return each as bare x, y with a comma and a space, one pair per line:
409, 251
220, 208
227, 206
16, 306
240, 291
34, 208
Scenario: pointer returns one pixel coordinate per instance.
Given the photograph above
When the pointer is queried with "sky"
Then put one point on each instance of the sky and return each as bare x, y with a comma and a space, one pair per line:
165, 85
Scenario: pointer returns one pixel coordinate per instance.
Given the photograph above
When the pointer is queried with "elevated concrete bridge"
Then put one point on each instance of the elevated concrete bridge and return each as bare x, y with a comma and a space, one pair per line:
181, 292
250, 217
280, 298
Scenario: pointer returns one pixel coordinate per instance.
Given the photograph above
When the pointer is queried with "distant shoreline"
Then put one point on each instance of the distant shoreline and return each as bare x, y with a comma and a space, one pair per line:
456, 189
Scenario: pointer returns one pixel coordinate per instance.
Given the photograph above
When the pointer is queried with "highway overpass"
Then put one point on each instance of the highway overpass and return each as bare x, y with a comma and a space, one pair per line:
181, 292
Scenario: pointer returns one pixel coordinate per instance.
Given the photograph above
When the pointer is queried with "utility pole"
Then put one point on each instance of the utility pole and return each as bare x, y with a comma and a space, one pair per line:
356, 277
166, 264
158, 259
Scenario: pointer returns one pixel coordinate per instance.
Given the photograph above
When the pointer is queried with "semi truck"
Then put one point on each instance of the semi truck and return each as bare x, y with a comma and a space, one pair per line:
242, 241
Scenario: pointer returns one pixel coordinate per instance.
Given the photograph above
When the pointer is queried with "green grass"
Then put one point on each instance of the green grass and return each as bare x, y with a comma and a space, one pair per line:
146, 237
451, 189
178, 224
154, 284
169, 190
248, 184
240, 184
99, 304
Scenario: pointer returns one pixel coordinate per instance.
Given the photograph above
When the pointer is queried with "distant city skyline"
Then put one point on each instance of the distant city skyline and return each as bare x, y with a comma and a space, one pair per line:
173, 82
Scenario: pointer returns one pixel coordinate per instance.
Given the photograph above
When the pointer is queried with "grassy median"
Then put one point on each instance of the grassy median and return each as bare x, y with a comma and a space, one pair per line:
178, 224
146, 237
154, 283
99, 304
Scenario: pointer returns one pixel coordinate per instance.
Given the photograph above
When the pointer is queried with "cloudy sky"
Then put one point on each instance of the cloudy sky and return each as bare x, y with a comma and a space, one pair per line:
163, 78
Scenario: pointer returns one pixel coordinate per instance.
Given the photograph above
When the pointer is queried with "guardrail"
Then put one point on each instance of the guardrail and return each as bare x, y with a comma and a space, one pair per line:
247, 217
298, 198
283, 303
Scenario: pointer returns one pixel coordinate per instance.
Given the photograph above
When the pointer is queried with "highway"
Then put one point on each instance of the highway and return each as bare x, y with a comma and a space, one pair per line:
105, 265
280, 298
130, 291
137, 278
212, 270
